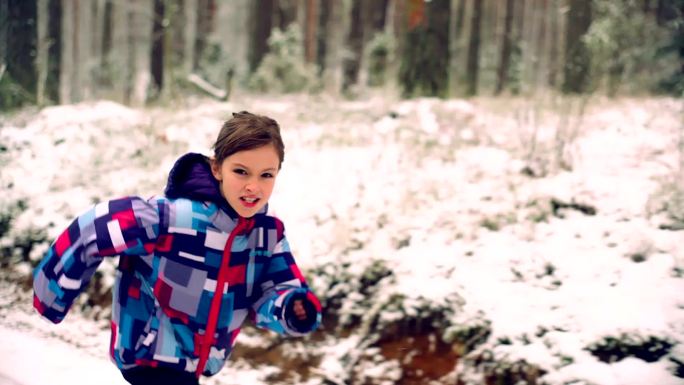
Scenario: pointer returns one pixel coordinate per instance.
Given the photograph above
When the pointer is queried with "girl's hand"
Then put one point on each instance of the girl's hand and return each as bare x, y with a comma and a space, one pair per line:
299, 310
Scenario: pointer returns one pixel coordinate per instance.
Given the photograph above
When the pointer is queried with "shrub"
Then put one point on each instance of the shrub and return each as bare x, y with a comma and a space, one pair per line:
283, 69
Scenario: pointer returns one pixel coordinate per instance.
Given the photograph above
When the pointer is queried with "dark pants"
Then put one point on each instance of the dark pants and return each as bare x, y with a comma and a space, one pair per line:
158, 376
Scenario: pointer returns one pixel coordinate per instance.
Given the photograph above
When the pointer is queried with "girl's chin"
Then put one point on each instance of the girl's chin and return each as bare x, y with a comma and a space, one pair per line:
248, 212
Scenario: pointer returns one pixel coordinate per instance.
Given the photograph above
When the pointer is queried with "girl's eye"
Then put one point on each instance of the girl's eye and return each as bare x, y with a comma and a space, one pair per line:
240, 171
267, 175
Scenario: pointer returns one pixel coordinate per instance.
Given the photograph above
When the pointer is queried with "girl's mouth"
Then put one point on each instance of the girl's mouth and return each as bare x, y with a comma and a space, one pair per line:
249, 202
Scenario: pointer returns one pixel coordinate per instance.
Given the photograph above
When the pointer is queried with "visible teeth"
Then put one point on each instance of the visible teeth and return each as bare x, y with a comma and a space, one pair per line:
250, 200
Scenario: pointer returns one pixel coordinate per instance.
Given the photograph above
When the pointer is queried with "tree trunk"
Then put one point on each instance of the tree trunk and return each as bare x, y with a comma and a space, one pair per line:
505, 61
439, 19
285, 13
42, 48
355, 45
21, 45
300, 17
311, 31
334, 35
82, 88
661, 11
647, 7
519, 53
190, 35
52, 46
260, 27
541, 38
458, 10
527, 53
474, 49
140, 40
234, 29
175, 11
172, 46
460, 16
373, 64
390, 25
554, 43
66, 80
577, 59
491, 32
158, 45
120, 56
321, 42
98, 26
400, 24
680, 36
425, 61
377, 15
205, 26
107, 38
4, 24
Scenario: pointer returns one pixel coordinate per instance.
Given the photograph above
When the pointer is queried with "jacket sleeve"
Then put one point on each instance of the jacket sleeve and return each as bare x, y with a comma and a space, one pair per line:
281, 285
126, 226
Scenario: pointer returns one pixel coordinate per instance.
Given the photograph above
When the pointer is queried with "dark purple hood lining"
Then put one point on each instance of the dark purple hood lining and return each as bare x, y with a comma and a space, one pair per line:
191, 178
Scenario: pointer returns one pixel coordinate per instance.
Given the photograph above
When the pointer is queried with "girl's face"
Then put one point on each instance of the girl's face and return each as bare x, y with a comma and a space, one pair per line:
247, 178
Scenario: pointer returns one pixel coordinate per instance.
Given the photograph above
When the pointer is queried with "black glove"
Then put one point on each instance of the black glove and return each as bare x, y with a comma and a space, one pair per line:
301, 325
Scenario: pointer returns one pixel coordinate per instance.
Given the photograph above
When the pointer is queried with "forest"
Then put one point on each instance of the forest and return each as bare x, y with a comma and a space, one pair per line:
140, 52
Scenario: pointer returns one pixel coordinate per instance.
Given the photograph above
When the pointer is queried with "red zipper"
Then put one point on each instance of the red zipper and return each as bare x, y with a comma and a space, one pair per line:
207, 340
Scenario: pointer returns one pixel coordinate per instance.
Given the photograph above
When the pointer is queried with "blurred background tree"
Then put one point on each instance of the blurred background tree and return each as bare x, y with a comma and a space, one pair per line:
425, 59
136, 52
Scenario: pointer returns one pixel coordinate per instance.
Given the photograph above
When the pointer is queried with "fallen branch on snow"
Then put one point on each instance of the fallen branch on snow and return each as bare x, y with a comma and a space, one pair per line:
210, 89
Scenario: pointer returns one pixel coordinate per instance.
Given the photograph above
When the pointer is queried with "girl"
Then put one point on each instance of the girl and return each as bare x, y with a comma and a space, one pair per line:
192, 264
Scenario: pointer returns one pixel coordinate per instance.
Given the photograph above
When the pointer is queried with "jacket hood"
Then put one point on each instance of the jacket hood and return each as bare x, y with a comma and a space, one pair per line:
191, 178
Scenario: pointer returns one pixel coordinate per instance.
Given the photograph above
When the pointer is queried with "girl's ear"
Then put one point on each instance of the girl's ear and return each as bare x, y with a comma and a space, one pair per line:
215, 168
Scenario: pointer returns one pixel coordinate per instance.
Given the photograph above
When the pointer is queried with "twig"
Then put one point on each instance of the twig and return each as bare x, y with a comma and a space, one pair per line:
207, 87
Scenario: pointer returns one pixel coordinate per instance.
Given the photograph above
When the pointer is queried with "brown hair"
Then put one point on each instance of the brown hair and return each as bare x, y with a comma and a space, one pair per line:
247, 131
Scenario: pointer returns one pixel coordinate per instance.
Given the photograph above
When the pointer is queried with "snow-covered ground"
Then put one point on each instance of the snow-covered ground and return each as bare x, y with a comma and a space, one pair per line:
538, 243
37, 352
30, 360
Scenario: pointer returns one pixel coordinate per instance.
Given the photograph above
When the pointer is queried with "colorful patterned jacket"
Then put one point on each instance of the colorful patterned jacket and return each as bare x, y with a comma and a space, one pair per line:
190, 271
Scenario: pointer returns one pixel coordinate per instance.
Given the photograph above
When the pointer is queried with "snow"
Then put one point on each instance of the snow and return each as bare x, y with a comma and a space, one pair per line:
59, 363
31, 360
429, 190
630, 371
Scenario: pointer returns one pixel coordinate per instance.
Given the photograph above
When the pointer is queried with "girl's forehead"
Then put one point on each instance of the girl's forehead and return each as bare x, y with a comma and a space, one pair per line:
260, 156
